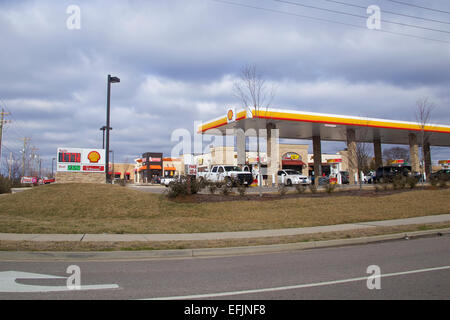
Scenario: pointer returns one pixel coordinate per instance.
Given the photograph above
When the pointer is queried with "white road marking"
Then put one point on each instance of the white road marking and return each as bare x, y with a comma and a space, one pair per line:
8, 283
300, 286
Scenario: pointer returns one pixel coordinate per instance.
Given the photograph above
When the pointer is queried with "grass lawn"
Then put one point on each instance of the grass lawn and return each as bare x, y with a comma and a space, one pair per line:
87, 208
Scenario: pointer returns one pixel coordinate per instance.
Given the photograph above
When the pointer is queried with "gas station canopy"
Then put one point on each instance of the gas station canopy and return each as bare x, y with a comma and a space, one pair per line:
294, 124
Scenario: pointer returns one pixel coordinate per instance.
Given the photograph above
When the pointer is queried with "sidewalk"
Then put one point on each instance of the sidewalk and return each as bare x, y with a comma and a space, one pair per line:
221, 235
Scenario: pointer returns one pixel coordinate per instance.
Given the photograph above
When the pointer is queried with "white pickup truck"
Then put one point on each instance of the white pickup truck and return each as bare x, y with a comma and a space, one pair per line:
228, 174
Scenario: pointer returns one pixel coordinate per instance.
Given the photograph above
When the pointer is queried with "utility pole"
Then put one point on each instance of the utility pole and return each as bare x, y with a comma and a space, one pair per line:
33, 160
2, 122
25, 140
10, 165
40, 166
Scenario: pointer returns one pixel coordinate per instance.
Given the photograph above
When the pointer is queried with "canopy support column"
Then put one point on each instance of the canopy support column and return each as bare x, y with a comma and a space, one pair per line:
352, 156
273, 152
414, 153
240, 146
377, 152
317, 150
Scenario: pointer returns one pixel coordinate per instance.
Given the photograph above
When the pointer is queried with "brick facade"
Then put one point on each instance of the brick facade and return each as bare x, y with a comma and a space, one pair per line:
80, 177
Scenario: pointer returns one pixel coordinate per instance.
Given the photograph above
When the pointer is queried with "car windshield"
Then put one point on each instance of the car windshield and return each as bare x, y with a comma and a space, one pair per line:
291, 172
232, 168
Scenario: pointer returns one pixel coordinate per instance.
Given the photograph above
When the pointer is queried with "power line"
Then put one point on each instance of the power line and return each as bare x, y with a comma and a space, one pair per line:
417, 6
14, 120
360, 16
389, 12
329, 21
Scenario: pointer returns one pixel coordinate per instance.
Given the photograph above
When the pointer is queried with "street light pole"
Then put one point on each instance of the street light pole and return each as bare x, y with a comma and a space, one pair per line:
108, 107
103, 129
112, 169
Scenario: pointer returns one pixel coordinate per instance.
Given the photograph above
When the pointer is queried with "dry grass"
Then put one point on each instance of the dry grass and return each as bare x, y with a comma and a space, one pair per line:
85, 208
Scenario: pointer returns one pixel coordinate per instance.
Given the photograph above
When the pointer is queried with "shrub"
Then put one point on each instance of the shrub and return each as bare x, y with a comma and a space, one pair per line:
282, 189
329, 187
196, 185
202, 184
5, 184
434, 182
442, 183
182, 187
241, 189
225, 190
399, 182
121, 182
312, 188
177, 188
377, 187
212, 187
412, 182
300, 188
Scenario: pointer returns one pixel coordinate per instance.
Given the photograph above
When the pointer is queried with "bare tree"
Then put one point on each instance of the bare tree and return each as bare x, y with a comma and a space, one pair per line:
424, 109
256, 96
396, 153
361, 156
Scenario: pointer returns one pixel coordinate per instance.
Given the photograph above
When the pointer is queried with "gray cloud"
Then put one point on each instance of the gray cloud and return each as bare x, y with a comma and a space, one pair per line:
177, 61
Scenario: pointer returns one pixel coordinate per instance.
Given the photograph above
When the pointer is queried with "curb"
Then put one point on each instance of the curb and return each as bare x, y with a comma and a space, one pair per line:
210, 252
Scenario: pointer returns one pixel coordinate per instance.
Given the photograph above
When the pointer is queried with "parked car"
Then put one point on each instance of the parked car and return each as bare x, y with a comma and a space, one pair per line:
166, 181
228, 174
30, 180
443, 174
345, 177
324, 180
290, 177
369, 178
388, 173
46, 180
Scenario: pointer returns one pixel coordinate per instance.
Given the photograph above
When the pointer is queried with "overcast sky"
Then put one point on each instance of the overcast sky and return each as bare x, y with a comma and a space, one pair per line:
178, 60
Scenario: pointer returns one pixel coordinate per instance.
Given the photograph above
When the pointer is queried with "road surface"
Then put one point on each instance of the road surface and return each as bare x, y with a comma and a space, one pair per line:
410, 269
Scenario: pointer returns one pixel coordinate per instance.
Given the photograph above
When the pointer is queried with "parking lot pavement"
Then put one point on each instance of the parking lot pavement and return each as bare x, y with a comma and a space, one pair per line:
149, 188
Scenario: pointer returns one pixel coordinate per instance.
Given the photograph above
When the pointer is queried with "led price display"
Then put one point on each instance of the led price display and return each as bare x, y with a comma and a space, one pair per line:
69, 157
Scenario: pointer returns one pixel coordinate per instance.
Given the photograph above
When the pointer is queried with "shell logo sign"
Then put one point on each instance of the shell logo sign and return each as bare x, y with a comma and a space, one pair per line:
93, 156
231, 115
80, 160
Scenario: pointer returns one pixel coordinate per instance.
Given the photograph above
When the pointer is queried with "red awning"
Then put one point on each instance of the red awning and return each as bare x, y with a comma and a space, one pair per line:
155, 167
292, 163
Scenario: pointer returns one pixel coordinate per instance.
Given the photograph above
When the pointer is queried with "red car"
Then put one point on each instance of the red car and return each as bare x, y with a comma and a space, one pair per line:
46, 180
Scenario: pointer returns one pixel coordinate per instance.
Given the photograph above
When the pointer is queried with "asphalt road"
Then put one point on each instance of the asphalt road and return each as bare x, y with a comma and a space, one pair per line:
410, 269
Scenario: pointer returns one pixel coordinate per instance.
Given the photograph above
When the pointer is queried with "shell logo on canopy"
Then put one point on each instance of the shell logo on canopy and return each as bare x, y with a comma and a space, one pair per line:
231, 115
94, 156
291, 156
